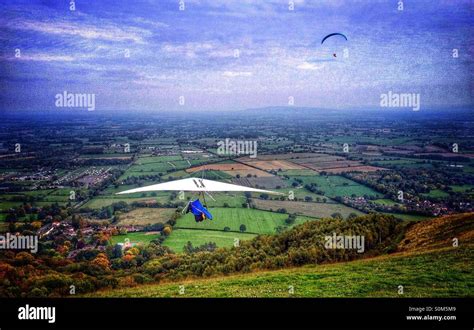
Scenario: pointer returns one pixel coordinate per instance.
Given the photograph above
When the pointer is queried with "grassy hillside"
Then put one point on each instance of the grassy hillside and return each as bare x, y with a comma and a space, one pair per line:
427, 264
440, 273
439, 232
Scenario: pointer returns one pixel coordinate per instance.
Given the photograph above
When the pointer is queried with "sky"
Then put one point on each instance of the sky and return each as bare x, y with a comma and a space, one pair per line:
220, 55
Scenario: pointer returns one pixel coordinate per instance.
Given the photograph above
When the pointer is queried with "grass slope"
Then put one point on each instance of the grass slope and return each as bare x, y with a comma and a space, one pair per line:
445, 272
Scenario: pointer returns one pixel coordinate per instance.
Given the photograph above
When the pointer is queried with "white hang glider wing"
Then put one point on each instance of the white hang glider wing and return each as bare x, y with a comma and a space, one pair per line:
196, 184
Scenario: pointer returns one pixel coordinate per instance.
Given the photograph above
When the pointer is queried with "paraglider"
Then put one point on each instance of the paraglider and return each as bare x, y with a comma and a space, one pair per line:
331, 35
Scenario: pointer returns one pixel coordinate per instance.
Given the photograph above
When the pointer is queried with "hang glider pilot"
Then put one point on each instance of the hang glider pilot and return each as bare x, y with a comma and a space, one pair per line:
202, 186
199, 211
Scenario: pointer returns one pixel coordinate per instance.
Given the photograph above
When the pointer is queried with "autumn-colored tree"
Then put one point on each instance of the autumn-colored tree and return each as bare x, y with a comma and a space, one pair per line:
63, 249
24, 258
133, 251
167, 230
128, 257
102, 261
36, 225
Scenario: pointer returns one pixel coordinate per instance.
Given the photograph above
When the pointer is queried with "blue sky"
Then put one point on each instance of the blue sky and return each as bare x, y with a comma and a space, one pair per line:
192, 53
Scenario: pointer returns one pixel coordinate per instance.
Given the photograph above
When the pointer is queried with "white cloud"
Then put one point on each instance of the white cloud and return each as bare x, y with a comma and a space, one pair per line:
44, 58
237, 74
154, 24
310, 66
110, 33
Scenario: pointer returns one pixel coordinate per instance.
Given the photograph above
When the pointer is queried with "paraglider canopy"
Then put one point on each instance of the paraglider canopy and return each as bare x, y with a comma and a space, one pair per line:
331, 35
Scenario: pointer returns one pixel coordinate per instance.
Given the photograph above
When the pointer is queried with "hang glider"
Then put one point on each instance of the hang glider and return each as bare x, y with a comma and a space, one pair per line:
196, 184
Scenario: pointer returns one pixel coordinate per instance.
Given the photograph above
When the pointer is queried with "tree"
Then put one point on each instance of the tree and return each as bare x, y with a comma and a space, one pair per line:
167, 230
188, 248
117, 251
337, 215
77, 221
11, 217
291, 219
243, 228
110, 212
24, 258
264, 196
351, 216
102, 261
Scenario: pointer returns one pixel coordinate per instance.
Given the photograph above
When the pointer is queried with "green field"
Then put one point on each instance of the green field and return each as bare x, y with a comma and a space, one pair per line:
316, 210
386, 202
42, 197
175, 175
374, 140
256, 221
436, 193
305, 172
6, 205
187, 229
99, 202
232, 199
408, 217
143, 216
137, 238
463, 188
395, 162
440, 273
335, 185
301, 193
179, 237
160, 165
157, 159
